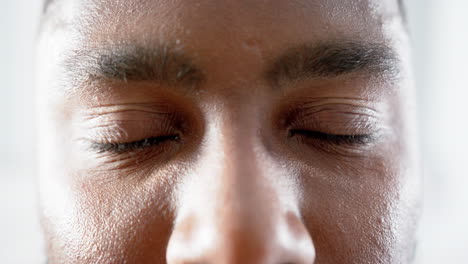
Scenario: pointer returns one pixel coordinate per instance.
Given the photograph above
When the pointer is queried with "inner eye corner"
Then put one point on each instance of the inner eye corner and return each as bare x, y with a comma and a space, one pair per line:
291, 132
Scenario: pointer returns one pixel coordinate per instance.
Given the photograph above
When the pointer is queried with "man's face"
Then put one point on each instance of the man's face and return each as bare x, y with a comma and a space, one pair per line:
226, 132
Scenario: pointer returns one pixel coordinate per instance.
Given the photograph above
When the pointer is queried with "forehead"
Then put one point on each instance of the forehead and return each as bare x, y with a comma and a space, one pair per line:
276, 19
226, 38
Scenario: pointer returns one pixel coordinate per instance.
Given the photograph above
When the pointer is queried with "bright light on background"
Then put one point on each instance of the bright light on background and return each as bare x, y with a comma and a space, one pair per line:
439, 31
441, 59
20, 237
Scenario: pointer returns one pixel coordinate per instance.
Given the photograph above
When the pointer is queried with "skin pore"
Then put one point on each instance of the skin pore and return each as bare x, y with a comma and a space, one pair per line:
226, 132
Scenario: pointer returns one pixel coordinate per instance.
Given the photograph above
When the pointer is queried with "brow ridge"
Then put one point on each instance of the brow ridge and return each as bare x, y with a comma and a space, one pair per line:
128, 62
332, 59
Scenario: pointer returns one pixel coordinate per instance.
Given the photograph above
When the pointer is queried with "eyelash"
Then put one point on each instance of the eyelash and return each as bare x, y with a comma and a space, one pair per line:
130, 146
362, 139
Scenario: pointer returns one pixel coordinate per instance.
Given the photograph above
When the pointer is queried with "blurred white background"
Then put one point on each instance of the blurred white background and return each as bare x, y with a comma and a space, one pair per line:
439, 31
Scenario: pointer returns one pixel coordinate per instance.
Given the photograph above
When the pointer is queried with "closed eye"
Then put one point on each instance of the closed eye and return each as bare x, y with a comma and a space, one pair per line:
357, 139
119, 147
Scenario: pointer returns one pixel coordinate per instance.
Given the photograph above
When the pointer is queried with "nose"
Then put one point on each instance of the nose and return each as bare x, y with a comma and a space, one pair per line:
231, 211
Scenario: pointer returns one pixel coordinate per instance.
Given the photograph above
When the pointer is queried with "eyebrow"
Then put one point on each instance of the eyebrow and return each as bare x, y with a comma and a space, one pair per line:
166, 66
125, 62
333, 59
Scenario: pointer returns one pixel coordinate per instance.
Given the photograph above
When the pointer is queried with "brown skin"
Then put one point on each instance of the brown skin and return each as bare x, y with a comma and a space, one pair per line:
240, 174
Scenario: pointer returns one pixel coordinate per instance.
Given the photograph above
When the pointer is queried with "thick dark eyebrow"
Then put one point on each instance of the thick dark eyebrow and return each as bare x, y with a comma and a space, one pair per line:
158, 64
333, 59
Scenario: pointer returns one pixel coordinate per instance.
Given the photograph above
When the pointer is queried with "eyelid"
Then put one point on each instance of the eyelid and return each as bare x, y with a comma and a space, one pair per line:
334, 119
128, 126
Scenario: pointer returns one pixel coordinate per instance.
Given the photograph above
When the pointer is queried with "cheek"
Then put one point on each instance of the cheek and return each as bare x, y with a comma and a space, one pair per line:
355, 212
122, 220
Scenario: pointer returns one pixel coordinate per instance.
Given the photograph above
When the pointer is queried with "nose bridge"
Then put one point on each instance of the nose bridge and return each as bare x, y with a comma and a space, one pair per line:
232, 211
235, 151
244, 199
243, 178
